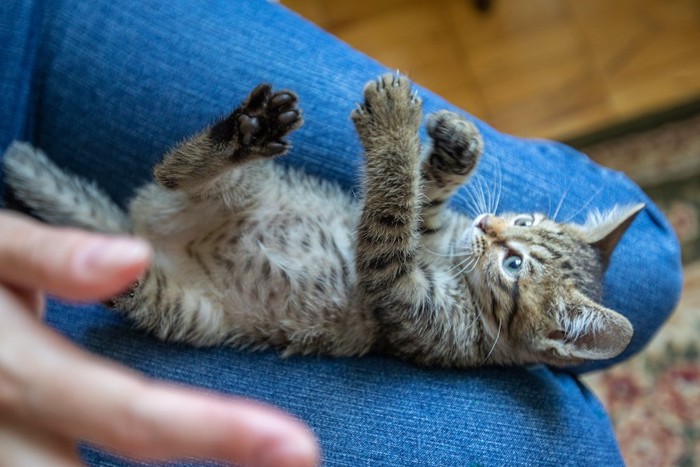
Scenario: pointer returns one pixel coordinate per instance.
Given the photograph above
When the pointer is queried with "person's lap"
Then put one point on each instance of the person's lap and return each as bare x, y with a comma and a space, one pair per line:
115, 84
378, 411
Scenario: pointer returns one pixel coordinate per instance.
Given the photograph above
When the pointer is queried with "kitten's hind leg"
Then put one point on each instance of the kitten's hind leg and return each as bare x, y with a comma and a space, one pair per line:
456, 147
220, 161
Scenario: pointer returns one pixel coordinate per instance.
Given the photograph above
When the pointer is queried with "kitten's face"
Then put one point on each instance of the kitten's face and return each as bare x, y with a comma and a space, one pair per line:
539, 284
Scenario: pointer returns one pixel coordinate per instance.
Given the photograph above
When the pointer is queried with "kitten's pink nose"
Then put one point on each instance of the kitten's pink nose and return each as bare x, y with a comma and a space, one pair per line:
491, 225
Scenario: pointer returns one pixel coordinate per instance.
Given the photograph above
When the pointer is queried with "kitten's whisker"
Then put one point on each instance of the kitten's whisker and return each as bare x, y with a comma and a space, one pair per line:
477, 207
459, 248
467, 269
493, 188
486, 190
585, 206
460, 196
561, 203
471, 325
482, 193
495, 341
474, 197
461, 263
468, 191
492, 191
492, 194
465, 252
500, 186
471, 265
447, 255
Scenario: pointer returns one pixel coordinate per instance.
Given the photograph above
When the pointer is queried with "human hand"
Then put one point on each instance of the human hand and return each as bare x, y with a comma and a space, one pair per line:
53, 394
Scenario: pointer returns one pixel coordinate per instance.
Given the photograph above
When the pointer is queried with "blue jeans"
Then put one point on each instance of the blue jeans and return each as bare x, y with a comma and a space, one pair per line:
106, 87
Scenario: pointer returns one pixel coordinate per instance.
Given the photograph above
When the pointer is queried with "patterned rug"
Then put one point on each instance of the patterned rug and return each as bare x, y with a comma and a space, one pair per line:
654, 398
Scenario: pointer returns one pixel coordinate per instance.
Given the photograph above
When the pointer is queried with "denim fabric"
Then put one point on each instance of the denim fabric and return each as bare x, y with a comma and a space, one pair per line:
375, 411
19, 38
109, 86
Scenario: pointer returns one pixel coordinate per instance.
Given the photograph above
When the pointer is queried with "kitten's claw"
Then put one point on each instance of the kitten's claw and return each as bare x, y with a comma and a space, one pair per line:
276, 148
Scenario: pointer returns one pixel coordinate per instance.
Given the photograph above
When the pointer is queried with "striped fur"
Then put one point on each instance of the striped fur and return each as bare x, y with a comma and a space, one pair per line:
252, 254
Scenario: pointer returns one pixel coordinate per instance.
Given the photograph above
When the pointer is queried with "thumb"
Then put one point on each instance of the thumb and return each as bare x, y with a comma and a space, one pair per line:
68, 263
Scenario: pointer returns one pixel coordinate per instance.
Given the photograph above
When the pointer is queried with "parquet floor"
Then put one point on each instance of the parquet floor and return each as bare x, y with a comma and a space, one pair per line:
539, 68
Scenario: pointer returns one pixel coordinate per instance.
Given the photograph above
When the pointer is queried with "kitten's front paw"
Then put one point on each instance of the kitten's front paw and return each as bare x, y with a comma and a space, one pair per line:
457, 143
259, 125
390, 104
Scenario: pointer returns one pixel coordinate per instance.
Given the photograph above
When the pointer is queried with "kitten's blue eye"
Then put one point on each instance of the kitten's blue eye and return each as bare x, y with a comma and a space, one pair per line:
524, 221
512, 264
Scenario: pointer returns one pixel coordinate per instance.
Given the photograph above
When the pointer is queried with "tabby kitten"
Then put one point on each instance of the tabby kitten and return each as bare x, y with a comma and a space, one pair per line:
250, 253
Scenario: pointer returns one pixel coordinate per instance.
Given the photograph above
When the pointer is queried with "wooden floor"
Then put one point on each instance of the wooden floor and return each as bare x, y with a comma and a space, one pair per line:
542, 68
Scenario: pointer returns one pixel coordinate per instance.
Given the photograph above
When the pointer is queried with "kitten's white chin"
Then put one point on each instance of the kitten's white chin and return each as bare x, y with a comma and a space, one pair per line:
467, 240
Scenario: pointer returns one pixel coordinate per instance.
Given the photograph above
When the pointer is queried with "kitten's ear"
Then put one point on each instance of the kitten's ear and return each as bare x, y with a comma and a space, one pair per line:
588, 331
604, 231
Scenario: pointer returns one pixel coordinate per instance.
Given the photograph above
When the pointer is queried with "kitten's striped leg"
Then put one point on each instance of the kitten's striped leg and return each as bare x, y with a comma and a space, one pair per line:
391, 282
404, 294
221, 160
456, 147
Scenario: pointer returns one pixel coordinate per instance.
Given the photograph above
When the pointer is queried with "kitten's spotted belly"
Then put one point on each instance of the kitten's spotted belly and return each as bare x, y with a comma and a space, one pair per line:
282, 277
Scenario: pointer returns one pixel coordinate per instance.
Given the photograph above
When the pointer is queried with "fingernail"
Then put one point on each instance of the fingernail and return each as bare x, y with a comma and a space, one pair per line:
290, 454
105, 256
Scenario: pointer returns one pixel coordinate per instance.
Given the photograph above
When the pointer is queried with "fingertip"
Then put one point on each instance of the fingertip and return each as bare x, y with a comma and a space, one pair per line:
104, 257
301, 451
261, 435
284, 441
109, 265
68, 263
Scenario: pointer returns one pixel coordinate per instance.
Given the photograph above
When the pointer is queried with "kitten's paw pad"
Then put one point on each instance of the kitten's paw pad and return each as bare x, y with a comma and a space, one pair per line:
258, 127
266, 118
258, 98
248, 128
457, 143
389, 102
283, 99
